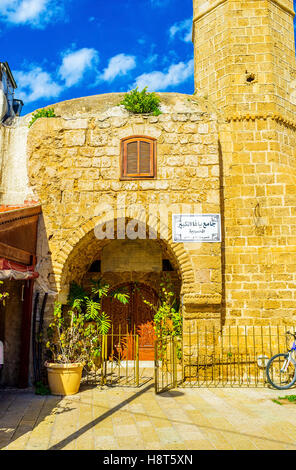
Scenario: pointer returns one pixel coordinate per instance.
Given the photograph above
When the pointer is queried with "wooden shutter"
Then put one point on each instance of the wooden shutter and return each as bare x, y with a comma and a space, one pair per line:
132, 158
138, 158
146, 149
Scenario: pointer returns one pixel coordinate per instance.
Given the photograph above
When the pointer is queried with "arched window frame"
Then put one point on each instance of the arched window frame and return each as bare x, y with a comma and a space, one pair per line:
123, 157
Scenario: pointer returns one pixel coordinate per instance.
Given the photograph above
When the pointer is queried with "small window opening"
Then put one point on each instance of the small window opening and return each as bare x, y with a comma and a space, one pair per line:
95, 267
250, 77
167, 265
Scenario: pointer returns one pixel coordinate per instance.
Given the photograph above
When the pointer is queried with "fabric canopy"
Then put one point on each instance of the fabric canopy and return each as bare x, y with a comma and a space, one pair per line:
11, 270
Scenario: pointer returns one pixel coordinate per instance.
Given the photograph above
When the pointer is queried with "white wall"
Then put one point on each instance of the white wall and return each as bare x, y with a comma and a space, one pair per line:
14, 183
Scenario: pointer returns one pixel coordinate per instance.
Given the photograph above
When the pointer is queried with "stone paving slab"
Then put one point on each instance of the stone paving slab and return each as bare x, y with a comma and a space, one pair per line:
136, 418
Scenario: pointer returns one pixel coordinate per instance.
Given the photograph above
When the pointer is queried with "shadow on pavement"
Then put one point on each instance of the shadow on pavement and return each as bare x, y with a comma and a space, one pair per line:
93, 423
21, 411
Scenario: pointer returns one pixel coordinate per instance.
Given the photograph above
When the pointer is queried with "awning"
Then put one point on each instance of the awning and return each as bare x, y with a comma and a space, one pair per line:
18, 233
12, 270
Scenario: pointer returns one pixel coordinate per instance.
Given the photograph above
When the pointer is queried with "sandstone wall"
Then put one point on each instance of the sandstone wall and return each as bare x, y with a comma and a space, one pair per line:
245, 55
245, 64
260, 224
74, 166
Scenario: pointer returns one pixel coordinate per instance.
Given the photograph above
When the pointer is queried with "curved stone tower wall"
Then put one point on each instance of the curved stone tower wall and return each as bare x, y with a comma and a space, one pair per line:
245, 63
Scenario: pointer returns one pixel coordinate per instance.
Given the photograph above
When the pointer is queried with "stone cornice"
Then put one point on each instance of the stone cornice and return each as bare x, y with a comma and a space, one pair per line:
201, 299
220, 2
254, 117
281, 5
211, 8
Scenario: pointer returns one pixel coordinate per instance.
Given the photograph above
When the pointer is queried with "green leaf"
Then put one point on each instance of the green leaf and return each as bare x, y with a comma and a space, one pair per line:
141, 102
121, 296
104, 323
99, 289
40, 113
76, 292
92, 309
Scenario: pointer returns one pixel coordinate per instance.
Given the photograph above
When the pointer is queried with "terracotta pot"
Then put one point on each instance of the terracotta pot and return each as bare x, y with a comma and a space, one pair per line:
64, 379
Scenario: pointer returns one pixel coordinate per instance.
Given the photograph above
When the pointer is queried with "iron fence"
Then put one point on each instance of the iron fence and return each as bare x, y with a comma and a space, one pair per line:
208, 357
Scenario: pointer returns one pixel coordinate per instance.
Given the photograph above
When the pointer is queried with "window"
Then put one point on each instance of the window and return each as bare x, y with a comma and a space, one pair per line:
167, 265
138, 157
95, 267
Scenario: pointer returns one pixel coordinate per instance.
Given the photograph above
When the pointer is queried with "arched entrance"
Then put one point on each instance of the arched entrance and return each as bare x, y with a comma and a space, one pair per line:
74, 257
126, 262
135, 317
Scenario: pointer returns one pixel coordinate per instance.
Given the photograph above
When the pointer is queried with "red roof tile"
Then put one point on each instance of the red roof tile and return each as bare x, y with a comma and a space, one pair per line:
8, 208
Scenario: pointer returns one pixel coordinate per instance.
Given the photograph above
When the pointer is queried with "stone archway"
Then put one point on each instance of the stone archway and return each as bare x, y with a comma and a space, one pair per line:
69, 259
79, 253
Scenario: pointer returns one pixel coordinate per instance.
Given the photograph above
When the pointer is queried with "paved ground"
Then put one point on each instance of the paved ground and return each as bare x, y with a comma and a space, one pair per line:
131, 418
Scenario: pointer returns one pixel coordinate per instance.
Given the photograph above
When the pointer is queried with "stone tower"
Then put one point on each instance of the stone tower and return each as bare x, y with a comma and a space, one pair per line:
245, 54
245, 66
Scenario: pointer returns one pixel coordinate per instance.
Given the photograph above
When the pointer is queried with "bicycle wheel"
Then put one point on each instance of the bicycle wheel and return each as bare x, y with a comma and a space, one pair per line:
276, 376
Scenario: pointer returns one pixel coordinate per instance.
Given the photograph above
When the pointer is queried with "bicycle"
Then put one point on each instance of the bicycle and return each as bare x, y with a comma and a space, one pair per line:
281, 368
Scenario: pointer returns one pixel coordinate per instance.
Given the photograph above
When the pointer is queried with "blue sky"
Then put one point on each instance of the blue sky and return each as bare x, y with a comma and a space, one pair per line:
63, 49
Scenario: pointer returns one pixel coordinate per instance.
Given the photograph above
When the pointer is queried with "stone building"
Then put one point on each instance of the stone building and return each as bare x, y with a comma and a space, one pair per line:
229, 149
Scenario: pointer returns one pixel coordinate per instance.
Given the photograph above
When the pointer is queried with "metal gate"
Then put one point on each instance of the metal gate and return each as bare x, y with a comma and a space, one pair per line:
118, 363
207, 357
168, 371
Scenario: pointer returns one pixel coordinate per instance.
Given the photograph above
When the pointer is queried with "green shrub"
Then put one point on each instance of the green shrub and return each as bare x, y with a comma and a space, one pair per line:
48, 113
141, 102
290, 398
167, 317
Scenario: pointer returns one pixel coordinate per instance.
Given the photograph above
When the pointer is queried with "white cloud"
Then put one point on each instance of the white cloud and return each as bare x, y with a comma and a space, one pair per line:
118, 65
34, 12
182, 29
76, 63
36, 84
156, 81
152, 58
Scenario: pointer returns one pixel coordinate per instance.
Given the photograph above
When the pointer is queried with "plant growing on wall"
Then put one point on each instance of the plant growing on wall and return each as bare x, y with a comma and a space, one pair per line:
141, 102
41, 113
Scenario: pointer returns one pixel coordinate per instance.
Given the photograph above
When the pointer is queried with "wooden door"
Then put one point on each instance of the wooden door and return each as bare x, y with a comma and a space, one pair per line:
118, 342
134, 317
143, 320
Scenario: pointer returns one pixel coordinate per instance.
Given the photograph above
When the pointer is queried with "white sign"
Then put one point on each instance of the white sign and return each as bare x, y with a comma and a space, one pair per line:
199, 228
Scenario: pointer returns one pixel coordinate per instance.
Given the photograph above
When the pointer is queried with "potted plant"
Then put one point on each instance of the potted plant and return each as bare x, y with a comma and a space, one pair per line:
72, 344
76, 336
92, 306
